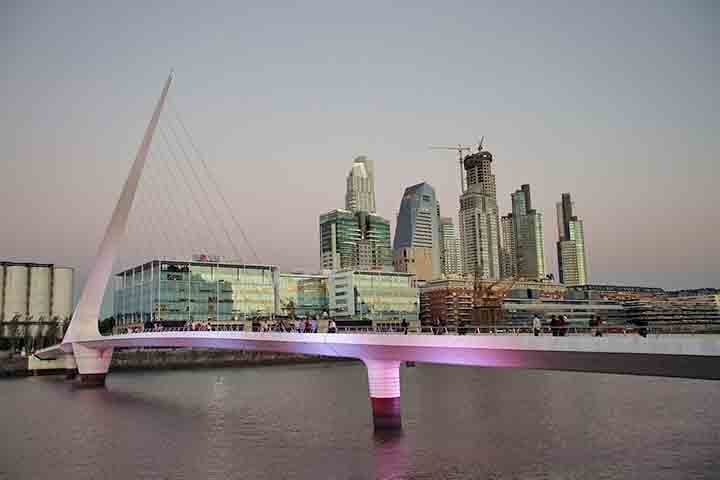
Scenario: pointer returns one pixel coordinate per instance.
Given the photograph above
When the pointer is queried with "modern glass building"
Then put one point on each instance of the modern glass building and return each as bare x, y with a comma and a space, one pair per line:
173, 293
354, 240
450, 248
508, 255
572, 258
302, 295
373, 297
416, 248
528, 233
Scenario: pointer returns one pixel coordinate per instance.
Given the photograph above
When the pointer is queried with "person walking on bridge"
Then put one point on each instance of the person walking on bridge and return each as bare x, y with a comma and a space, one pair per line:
536, 325
563, 325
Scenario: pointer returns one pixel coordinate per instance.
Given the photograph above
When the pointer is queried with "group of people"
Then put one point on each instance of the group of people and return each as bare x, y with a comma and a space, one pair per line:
559, 325
439, 326
198, 327
308, 325
300, 326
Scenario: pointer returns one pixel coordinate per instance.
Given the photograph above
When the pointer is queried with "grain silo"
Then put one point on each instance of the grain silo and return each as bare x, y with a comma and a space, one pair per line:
39, 298
33, 296
15, 293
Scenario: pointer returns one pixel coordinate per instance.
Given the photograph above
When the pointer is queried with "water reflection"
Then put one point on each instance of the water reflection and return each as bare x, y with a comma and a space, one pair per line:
391, 455
305, 422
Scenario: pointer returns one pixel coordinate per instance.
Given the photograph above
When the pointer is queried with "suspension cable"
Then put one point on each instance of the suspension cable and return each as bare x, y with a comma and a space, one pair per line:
202, 186
212, 178
192, 193
138, 217
152, 185
188, 209
153, 225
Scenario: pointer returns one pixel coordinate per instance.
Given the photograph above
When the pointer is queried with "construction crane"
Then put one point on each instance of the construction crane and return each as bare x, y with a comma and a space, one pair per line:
488, 298
460, 149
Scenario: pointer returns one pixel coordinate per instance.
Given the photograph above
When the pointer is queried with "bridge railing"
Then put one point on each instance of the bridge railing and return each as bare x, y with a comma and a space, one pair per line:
568, 330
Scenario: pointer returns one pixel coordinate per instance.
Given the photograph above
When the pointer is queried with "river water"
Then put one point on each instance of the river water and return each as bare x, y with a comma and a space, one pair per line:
313, 422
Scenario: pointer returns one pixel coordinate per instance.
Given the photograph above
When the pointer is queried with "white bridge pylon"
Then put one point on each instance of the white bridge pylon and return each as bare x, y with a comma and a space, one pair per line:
84, 323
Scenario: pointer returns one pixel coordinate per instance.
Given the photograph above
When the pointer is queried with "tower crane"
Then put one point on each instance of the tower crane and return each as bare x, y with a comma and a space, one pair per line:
488, 296
460, 149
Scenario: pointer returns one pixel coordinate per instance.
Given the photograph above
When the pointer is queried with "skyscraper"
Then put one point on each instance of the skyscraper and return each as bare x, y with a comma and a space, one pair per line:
527, 225
360, 194
354, 240
572, 266
479, 223
449, 248
508, 255
416, 248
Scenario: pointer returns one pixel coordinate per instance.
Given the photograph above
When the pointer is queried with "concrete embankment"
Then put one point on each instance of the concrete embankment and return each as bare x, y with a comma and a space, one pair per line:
13, 367
201, 358
147, 359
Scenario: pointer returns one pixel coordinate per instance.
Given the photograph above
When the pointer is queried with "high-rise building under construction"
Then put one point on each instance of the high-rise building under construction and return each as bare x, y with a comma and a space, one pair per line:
479, 223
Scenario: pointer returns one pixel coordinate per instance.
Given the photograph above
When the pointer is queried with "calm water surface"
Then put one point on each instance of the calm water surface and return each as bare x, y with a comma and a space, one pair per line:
313, 422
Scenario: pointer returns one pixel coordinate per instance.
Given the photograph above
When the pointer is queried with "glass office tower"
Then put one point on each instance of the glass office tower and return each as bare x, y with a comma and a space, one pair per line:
354, 240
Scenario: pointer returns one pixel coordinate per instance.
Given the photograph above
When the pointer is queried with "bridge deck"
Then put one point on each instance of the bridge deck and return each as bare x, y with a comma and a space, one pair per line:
690, 356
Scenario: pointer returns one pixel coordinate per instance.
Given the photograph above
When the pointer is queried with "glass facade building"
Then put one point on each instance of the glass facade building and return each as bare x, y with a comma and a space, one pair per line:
302, 295
354, 240
173, 293
508, 255
572, 257
417, 241
450, 248
373, 297
528, 236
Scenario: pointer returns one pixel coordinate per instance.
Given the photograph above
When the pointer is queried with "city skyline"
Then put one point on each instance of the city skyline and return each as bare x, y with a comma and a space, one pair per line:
656, 192
235, 231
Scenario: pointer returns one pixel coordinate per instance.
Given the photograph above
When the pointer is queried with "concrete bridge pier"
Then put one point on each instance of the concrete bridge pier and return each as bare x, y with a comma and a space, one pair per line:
92, 364
70, 366
384, 382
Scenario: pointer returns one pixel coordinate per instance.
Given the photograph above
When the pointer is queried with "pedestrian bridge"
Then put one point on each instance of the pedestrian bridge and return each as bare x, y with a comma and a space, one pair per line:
84, 349
688, 356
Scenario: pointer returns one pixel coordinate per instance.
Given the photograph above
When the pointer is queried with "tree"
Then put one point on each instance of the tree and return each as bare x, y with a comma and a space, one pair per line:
51, 333
27, 337
65, 325
13, 334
